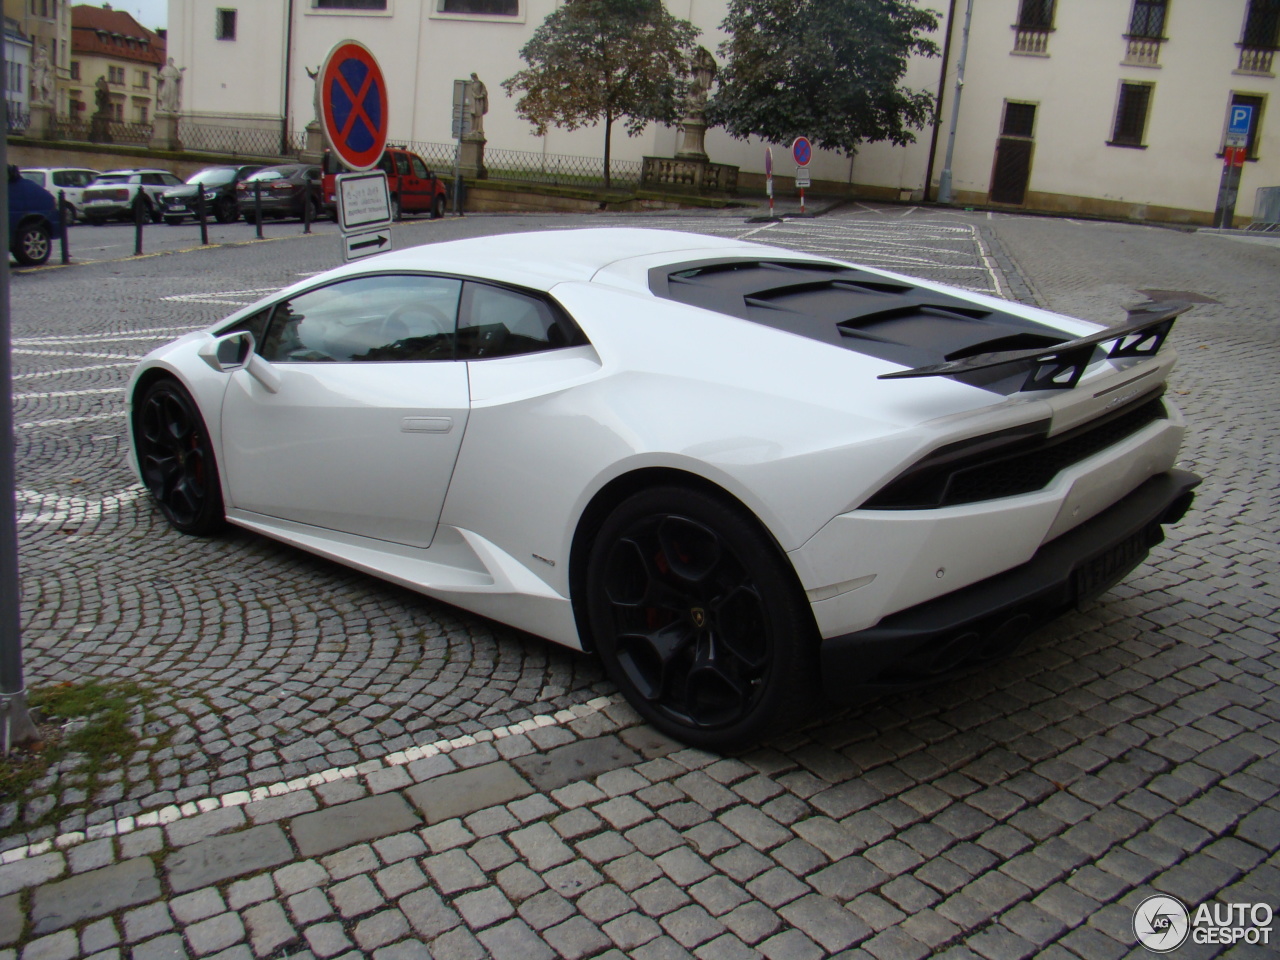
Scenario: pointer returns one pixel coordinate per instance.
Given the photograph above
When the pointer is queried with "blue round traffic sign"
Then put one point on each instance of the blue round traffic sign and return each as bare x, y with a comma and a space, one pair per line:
802, 150
353, 105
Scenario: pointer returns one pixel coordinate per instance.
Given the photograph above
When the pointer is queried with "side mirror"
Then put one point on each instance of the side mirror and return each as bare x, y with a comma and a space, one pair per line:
228, 353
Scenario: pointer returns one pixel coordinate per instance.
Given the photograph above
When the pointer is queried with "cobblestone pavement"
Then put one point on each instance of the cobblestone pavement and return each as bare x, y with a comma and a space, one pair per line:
334, 767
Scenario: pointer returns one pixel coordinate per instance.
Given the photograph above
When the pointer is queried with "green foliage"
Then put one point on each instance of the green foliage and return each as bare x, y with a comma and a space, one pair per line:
604, 60
826, 69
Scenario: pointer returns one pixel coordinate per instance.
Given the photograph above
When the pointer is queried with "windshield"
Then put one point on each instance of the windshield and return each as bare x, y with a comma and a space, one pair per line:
213, 176
113, 178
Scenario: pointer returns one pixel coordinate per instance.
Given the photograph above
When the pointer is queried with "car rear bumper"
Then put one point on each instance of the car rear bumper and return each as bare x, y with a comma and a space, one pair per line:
990, 618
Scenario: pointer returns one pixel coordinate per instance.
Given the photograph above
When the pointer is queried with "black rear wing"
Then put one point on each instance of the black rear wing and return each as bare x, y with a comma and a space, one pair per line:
1061, 366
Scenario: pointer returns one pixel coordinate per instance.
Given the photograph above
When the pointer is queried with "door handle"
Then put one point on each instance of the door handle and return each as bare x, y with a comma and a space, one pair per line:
426, 424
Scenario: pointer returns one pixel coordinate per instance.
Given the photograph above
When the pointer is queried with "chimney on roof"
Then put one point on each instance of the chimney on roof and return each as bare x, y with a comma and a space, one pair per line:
106, 6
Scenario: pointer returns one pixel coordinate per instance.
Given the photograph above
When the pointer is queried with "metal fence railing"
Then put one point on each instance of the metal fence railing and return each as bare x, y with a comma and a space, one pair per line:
239, 141
558, 169
517, 166
17, 119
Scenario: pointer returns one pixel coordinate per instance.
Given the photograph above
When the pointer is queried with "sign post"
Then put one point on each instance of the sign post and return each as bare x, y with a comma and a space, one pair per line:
354, 113
1234, 151
461, 127
802, 152
768, 177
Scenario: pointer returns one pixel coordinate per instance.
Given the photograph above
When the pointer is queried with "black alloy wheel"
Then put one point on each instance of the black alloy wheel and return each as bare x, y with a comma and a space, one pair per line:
225, 210
176, 459
700, 620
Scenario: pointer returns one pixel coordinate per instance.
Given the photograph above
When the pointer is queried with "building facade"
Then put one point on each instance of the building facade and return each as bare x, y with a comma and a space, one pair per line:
111, 45
1112, 107
17, 60
47, 24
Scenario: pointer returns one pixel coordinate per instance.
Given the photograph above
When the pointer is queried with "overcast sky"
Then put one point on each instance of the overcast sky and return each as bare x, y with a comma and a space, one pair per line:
149, 13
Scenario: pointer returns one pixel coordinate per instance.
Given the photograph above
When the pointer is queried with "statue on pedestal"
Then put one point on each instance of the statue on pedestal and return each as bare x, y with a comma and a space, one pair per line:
477, 105
41, 78
694, 125
169, 89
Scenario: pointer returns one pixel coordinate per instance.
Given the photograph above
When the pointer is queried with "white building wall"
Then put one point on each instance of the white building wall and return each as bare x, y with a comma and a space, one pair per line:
1075, 88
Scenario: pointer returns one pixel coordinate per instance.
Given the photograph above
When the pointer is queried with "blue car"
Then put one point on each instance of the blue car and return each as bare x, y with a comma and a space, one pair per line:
33, 220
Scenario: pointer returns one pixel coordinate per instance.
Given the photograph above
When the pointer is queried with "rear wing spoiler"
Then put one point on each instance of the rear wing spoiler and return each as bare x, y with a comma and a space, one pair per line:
1061, 366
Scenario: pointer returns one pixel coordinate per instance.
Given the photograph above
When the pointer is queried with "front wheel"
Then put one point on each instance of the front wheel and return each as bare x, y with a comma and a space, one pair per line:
224, 211
700, 620
176, 459
437, 207
153, 212
32, 245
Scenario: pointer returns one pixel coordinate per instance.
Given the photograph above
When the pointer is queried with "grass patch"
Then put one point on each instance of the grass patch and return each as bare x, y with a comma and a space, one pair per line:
87, 723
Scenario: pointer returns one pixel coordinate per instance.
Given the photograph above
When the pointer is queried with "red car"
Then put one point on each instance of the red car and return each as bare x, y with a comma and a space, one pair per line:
414, 188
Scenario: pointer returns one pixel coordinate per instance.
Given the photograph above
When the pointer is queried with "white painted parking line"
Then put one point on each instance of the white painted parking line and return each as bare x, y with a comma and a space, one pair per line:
36, 507
220, 296
32, 424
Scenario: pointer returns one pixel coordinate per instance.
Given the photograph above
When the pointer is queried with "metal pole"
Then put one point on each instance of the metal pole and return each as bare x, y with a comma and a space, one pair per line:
937, 110
62, 220
15, 719
137, 222
257, 205
944, 181
202, 214
306, 205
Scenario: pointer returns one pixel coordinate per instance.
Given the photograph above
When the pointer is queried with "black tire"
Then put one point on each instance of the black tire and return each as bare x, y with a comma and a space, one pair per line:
173, 221
33, 244
437, 207
95, 221
153, 212
317, 210
225, 210
176, 459
700, 620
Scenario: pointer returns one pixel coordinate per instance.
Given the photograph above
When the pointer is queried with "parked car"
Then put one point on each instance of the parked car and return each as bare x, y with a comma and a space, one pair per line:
68, 181
285, 191
113, 194
33, 220
748, 478
219, 184
412, 185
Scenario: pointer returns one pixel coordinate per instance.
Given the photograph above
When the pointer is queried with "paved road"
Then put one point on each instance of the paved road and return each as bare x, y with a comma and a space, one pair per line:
334, 765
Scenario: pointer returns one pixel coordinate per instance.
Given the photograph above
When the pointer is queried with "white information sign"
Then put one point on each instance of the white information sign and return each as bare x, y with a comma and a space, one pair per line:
802, 177
364, 201
357, 245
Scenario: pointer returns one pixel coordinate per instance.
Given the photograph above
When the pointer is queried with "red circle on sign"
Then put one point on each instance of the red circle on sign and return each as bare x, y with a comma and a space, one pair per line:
353, 105
802, 150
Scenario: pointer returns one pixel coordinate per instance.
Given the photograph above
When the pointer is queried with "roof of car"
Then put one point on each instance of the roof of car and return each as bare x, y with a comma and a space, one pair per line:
540, 260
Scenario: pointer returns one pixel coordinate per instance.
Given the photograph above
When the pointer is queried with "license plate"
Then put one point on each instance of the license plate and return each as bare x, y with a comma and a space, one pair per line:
1098, 573
179, 206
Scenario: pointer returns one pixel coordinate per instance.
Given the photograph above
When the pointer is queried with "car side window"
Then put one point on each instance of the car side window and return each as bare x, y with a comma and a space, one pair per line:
395, 318
419, 168
500, 322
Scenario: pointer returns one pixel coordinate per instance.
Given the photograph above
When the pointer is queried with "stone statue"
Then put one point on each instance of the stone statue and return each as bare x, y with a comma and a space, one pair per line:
169, 89
102, 97
41, 78
703, 67
478, 104
315, 96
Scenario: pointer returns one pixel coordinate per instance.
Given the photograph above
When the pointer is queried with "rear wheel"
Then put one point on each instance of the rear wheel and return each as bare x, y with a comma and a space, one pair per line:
32, 245
176, 459
224, 210
700, 620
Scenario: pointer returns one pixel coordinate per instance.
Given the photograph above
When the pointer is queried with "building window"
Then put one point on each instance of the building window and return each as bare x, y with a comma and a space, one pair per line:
226, 26
75, 69
1146, 33
1255, 120
115, 74
144, 79
350, 4
142, 114
1261, 36
1035, 23
1036, 14
493, 8
1131, 115
1147, 19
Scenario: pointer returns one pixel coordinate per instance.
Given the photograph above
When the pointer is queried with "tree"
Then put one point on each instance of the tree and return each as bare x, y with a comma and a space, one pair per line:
826, 69
604, 60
